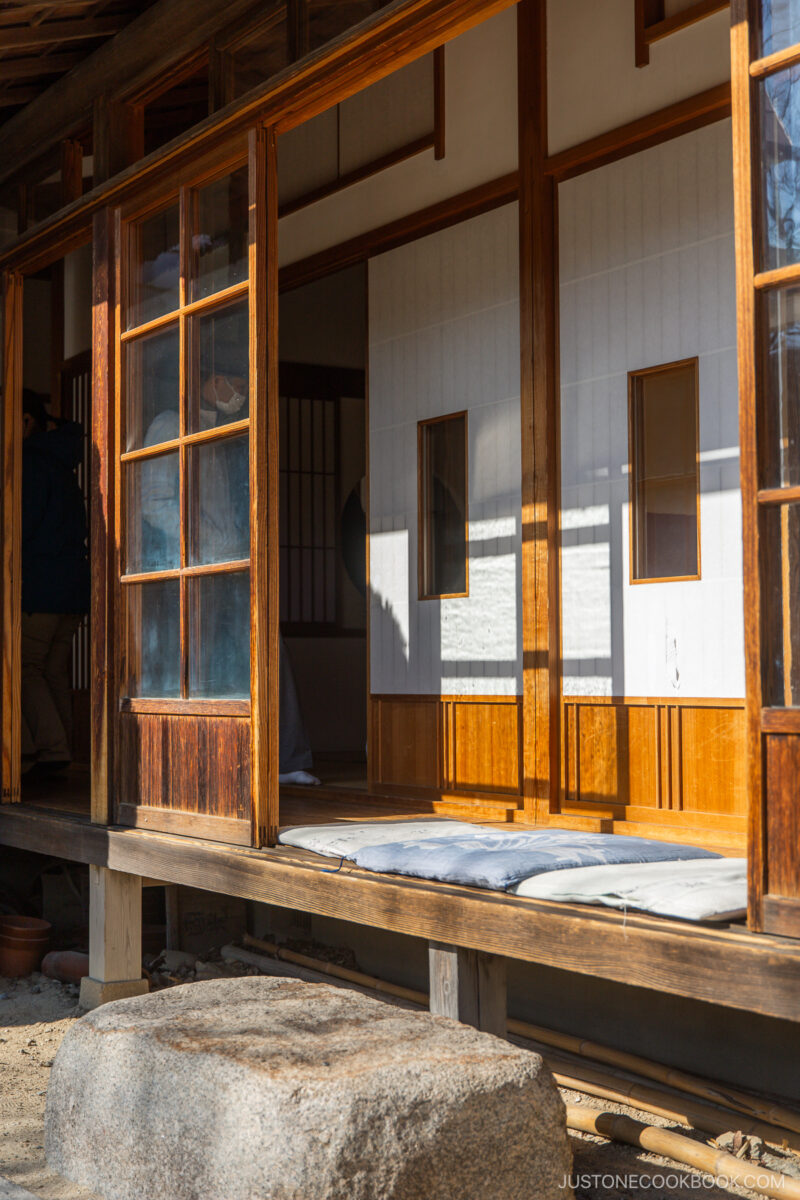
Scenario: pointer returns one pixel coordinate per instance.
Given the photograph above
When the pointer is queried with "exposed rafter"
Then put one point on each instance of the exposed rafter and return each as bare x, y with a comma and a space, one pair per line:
27, 37
148, 47
35, 66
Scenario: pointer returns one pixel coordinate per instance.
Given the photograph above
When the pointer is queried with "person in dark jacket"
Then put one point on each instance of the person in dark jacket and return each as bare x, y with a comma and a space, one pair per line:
55, 581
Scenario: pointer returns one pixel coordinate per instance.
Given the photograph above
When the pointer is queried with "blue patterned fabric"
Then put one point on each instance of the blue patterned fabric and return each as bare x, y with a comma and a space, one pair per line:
498, 860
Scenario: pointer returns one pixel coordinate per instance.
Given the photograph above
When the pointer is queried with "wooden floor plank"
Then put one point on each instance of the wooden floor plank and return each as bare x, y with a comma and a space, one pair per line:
729, 966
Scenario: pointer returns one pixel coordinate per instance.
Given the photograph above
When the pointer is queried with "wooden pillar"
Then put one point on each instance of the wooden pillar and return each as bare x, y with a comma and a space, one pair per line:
541, 664
297, 28
115, 938
221, 78
172, 903
117, 137
71, 170
102, 541
468, 986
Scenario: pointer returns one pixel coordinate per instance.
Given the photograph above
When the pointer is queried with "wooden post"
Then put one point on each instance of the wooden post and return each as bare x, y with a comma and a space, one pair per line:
117, 136
102, 541
71, 170
172, 903
297, 28
221, 78
541, 666
468, 986
115, 938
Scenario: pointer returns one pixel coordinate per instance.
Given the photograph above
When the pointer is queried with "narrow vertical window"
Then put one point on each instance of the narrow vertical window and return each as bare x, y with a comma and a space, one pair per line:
664, 476
443, 512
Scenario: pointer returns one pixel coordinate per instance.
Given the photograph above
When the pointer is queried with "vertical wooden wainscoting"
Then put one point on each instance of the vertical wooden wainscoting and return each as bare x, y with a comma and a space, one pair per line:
657, 760
464, 747
185, 775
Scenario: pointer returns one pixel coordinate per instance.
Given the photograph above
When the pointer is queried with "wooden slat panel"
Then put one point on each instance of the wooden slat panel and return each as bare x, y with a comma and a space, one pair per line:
670, 758
783, 815
409, 742
486, 740
713, 750
616, 754
200, 765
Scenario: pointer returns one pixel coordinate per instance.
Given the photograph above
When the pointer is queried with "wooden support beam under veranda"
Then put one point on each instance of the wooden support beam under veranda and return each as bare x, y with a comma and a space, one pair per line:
729, 966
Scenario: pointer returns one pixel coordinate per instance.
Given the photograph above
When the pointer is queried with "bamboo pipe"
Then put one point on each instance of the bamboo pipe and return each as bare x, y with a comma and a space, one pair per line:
765, 1110
694, 1114
683, 1150
718, 1097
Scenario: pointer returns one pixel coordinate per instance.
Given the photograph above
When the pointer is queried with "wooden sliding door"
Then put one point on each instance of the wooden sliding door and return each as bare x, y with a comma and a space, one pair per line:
765, 44
194, 522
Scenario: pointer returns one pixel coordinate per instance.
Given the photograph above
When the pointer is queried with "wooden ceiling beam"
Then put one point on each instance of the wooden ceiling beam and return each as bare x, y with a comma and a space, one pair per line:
35, 66
149, 46
16, 7
14, 97
26, 37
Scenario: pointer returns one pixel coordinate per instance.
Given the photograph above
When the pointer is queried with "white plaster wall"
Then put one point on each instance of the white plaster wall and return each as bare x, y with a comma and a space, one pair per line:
647, 277
444, 337
593, 83
481, 145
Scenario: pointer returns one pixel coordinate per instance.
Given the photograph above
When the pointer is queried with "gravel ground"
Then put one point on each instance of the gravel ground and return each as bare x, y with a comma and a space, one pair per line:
35, 1014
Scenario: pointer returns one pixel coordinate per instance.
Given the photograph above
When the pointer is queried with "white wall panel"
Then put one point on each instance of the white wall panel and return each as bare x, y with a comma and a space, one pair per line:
593, 82
481, 145
444, 337
650, 287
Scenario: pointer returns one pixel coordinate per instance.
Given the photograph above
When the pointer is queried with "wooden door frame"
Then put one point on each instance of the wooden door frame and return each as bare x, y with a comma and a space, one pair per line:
262, 708
264, 459
773, 732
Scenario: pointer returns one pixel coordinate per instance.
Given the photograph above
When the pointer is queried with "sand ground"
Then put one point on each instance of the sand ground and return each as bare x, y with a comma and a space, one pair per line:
35, 1014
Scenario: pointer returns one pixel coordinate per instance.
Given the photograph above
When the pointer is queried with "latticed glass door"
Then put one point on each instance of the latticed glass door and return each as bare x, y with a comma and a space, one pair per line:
187, 472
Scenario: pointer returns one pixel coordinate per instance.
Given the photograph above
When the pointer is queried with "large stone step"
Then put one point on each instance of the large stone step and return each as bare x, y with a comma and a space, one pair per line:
275, 1089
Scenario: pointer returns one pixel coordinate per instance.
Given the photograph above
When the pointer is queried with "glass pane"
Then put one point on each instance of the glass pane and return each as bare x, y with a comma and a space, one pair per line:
220, 242
780, 183
153, 389
153, 639
782, 417
780, 555
152, 515
780, 25
664, 466
219, 638
220, 343
219, 501
155, 267
444, 524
